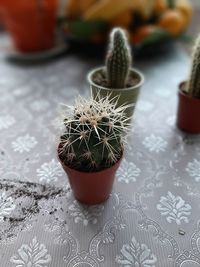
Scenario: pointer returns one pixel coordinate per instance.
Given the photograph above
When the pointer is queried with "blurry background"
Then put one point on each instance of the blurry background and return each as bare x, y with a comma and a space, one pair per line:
40, 25
195, 2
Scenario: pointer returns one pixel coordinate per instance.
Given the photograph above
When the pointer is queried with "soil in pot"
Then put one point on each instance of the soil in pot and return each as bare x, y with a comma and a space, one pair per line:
100, 79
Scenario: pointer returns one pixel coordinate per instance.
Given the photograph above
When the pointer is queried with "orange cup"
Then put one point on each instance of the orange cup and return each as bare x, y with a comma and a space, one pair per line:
31, 23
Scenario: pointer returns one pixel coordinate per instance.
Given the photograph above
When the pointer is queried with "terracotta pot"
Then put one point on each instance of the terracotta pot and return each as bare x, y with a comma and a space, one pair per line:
31, 23
188, 112
126, 95
91, 188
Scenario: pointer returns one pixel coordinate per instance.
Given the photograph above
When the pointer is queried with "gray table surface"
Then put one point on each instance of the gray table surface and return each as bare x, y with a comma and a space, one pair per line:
152, 216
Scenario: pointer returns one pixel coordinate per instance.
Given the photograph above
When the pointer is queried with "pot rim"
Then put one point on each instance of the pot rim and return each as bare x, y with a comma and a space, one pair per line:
181, 92
101, 171
133, 70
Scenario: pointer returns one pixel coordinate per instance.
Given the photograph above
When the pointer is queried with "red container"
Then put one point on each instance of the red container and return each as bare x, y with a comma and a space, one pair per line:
188, 115
91, 188
31, 23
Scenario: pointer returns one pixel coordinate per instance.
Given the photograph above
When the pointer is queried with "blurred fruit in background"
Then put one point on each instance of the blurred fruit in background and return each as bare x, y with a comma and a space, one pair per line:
31, 23
147, 21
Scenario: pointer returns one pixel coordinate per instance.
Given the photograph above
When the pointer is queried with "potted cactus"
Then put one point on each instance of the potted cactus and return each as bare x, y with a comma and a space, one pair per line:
117, 77
189, 97
91, 147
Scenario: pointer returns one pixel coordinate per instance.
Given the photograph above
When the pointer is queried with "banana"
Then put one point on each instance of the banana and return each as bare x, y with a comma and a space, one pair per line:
75, 8
85, 4
186, 9
160, 6
72, 8
123, 19
107, 9
145, 8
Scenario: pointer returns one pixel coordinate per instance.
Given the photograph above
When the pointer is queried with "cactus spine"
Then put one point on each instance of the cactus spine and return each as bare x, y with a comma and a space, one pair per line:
94, 134
118, 59
194, 82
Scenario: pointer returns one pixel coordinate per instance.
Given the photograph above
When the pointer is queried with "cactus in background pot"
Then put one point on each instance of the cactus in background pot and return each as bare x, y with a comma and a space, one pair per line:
117, 78
118, 60
189, 96
194, 82
91, 147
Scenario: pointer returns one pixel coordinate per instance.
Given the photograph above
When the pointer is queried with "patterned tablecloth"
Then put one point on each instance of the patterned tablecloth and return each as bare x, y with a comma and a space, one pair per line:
152, 216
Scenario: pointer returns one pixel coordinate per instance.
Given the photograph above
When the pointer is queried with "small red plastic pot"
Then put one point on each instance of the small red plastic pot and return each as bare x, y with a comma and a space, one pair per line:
188, 112
31, 23
91, 188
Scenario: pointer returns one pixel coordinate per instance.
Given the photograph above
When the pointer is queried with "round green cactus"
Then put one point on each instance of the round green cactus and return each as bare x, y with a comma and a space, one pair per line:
194, 82
118, 59
94, 134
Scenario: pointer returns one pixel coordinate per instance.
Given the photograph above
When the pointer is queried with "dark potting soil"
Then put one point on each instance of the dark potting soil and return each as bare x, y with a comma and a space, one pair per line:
26, 196
101, 80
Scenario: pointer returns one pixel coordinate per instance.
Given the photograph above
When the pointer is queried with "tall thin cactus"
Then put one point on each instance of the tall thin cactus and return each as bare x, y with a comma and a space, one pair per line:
94, 134
194, 82
118, 59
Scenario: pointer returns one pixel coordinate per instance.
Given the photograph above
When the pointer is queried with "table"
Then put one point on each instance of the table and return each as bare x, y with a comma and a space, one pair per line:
152, 216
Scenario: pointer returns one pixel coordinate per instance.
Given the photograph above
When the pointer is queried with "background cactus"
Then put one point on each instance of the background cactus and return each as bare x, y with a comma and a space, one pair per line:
194, 82
118, 59
94, 134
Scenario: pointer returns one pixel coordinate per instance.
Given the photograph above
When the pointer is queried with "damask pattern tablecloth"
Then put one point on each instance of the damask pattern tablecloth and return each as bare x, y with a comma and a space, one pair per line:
152, 216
